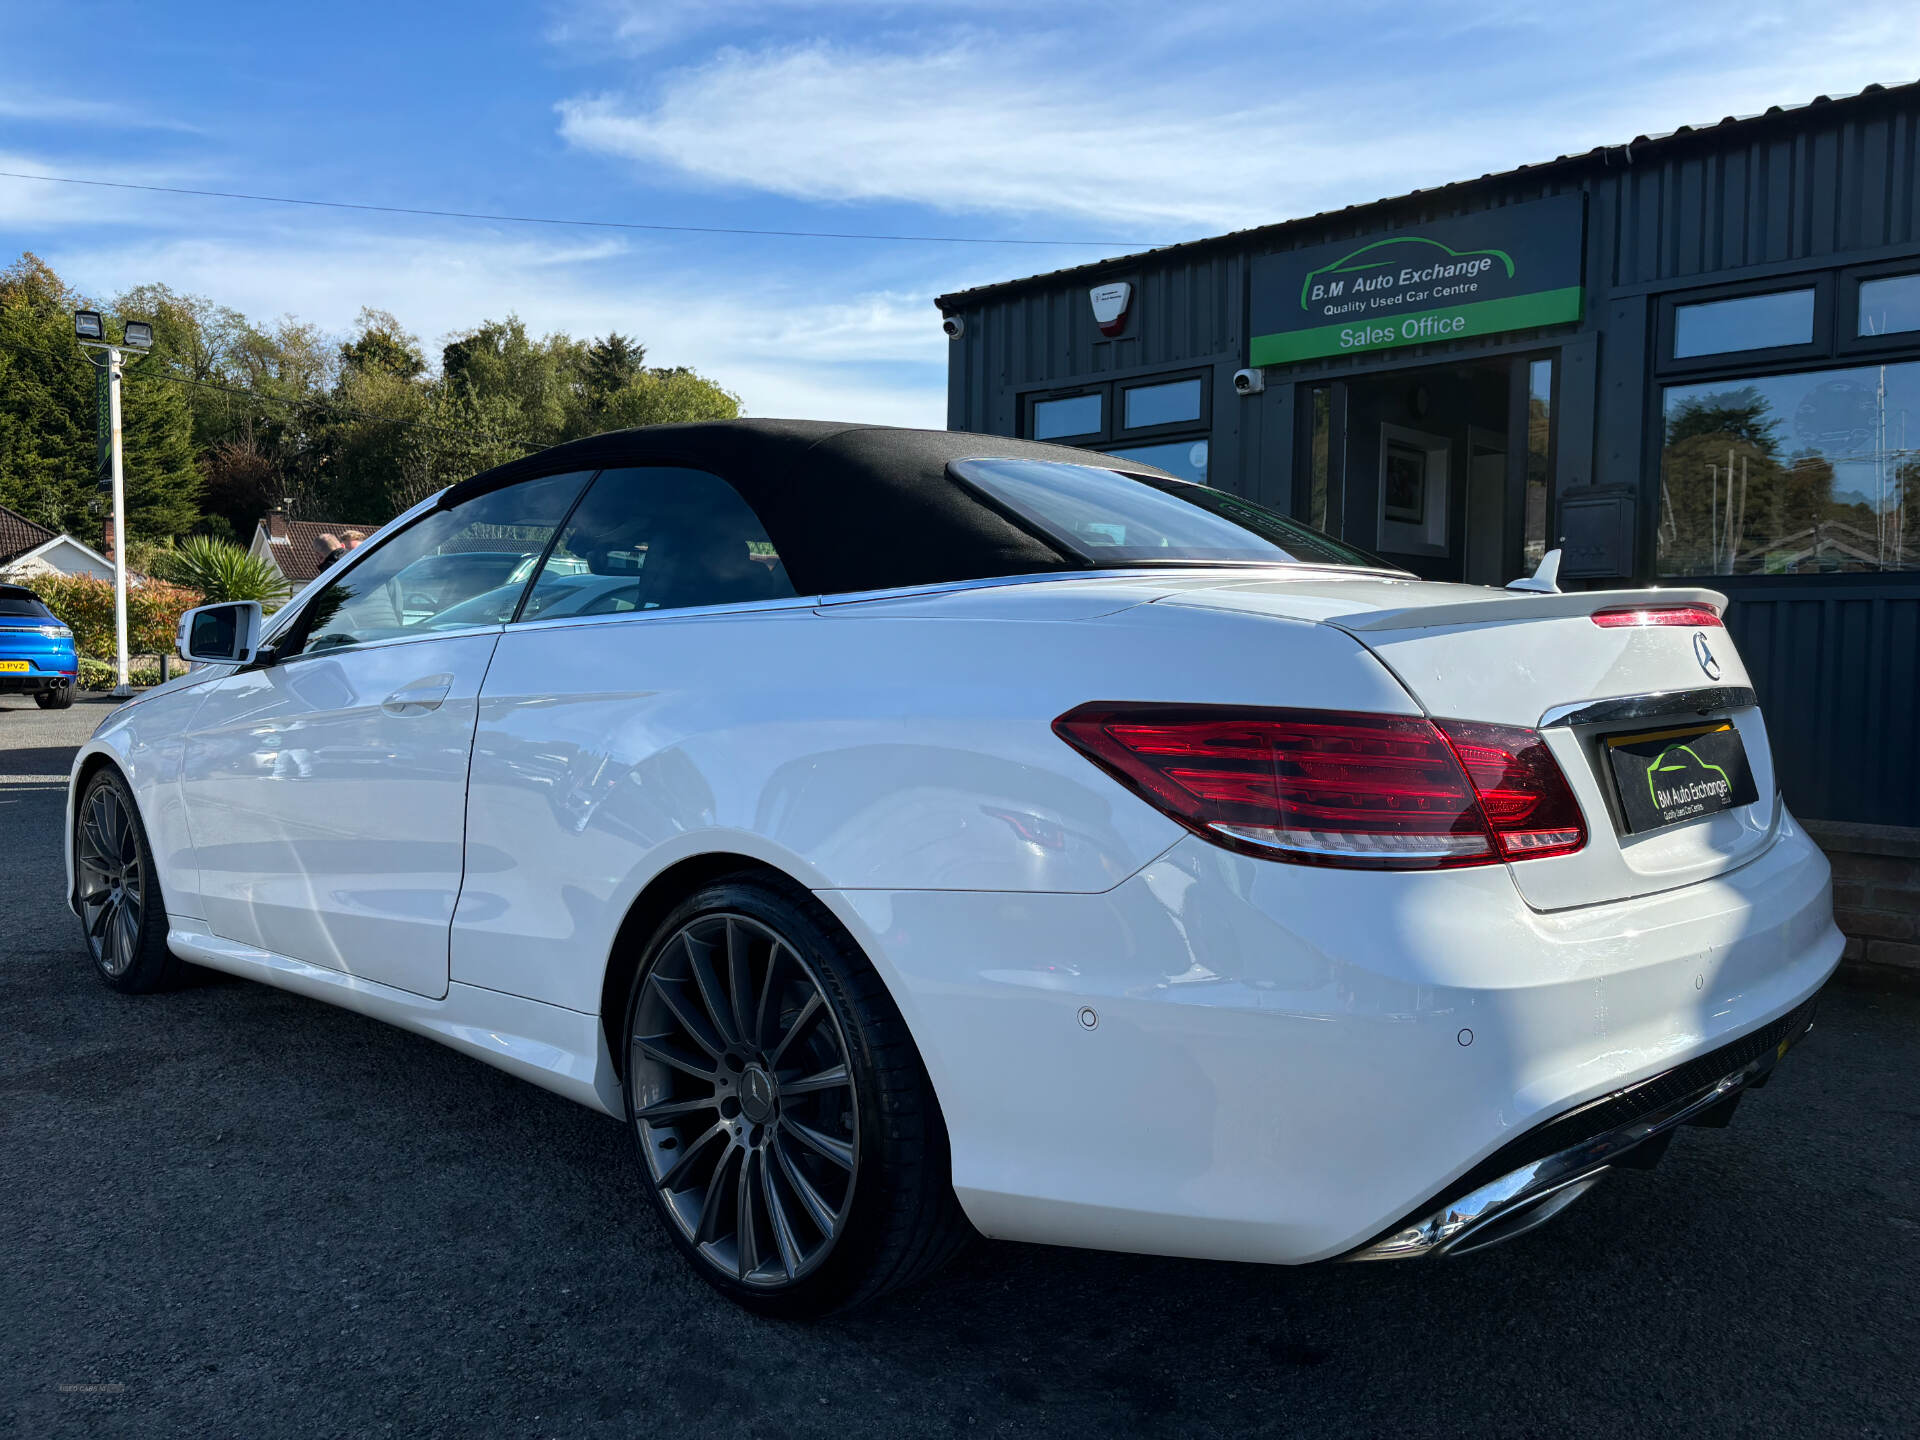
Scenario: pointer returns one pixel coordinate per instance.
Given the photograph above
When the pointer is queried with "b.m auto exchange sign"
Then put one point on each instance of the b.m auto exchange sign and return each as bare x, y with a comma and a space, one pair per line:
1515, 268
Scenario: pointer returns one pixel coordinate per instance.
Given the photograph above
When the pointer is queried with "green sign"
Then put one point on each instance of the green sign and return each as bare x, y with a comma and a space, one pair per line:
102, 427
1514, 268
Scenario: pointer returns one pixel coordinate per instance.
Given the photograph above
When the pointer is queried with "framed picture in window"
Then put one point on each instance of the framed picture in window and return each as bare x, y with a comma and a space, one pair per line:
1405, 478
1414, 500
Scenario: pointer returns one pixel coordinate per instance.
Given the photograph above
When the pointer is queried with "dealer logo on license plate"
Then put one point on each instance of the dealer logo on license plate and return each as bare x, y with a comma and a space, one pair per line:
1665, 777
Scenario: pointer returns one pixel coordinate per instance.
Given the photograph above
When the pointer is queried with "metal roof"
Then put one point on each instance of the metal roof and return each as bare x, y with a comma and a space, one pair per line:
1600, 154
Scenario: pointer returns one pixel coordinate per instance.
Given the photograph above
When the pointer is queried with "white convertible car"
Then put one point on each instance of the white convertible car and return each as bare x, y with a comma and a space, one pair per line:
911, 833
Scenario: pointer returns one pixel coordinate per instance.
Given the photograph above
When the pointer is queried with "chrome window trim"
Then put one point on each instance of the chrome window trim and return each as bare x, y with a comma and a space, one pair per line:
1706, 700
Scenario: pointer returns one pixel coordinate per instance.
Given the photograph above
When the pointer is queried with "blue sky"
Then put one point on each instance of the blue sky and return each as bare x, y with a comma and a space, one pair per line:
1118, 122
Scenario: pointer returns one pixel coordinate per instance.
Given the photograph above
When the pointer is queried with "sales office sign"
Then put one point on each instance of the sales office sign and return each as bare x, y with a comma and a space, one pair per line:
1514, 268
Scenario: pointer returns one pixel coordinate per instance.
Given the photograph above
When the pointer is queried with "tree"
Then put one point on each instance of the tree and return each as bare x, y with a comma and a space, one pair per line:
612, 363
228, 418
47, 419
383, 347
664, 397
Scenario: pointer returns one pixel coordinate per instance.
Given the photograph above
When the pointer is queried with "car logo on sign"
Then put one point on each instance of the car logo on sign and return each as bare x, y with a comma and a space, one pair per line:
1705, 656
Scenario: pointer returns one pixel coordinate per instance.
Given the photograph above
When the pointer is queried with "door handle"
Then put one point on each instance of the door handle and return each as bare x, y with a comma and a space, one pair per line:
420, 697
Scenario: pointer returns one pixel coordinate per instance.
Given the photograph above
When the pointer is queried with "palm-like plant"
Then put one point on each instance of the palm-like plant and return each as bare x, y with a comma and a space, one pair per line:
223, 571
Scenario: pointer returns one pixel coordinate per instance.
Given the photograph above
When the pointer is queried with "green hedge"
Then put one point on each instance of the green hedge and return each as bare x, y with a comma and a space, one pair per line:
98, 674
154, 609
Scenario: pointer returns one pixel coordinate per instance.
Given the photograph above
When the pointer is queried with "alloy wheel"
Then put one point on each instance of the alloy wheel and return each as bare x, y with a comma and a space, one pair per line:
112, 881
743, 1100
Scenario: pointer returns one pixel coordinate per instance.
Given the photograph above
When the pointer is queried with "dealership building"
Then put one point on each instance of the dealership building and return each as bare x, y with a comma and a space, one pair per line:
1692, 358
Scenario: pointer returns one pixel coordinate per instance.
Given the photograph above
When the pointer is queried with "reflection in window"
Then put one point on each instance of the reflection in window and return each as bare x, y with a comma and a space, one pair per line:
657, 538
1539, 459
1752, 322
1169, 404
1109, 518
1889, 306
1323, 490
1076, 415
1792, 474
1185, 458
451, 568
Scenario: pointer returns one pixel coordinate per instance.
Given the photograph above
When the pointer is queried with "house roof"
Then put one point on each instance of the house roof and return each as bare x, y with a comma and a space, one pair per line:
1600, 155
18, 535
296, 545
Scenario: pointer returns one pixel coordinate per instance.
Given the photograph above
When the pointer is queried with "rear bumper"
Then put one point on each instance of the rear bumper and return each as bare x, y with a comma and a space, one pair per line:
1529, 1180
1230, 1058
45, 675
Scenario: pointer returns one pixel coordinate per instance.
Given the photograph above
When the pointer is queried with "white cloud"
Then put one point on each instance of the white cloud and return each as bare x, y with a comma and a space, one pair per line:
1118, 137
877, 357
18, 103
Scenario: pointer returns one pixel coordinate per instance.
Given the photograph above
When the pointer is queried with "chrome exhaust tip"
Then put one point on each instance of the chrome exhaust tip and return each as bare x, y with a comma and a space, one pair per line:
1497, 1211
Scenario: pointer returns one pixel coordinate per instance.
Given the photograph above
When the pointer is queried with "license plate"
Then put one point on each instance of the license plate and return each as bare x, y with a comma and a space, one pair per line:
1667, 777
12, 667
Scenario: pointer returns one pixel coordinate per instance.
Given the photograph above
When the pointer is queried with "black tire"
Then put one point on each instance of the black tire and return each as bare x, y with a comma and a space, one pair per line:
825, 1234
58, 698
122, 914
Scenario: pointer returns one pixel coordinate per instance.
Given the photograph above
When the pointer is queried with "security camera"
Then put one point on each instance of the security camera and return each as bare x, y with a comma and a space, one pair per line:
953, 325
1249, 382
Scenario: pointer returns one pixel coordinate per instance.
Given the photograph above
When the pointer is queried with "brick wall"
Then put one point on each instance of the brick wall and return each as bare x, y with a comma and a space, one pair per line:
1876, 897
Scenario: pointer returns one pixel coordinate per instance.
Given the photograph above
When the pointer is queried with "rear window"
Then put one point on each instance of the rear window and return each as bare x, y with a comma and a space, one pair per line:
1113, 519
23, 607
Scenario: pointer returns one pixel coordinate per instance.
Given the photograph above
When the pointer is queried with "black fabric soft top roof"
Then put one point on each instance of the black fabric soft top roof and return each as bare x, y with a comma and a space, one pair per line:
849, 507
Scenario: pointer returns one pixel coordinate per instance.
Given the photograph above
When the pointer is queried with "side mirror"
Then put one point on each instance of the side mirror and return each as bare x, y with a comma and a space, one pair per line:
226, 634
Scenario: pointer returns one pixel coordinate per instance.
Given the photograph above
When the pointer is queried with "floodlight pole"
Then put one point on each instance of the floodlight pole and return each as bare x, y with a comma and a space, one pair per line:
122, 685
91, 329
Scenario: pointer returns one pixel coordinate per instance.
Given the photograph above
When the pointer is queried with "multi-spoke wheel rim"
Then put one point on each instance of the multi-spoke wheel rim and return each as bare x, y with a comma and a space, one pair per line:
743, 1100
112, 883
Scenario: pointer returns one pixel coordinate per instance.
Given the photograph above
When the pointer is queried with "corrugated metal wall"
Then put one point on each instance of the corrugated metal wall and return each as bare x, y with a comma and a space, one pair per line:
1819, 182
1837, 668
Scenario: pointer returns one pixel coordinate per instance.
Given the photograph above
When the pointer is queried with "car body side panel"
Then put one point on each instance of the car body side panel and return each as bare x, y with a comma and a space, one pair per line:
327, 797
557, 1049
850, 750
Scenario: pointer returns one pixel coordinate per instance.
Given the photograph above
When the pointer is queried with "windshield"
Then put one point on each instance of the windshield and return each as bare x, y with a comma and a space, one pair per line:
23, 607
1113, 519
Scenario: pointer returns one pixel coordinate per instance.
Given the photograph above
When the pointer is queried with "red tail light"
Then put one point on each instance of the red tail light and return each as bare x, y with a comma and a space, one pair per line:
1326, 787
1696, 616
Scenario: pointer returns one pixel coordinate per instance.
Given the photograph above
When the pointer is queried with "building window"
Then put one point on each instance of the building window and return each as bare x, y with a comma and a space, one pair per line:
1185, 458
1888, 306
1069, 418
1805, 473
1750, 322
1539, 461
1175, 403
1159, 420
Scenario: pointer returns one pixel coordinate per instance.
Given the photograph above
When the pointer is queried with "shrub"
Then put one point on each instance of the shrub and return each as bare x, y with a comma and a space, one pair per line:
98, 674
221, 571
86, 605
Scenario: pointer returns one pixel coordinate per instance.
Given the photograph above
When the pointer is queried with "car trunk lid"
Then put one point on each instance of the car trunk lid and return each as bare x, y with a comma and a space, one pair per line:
1541, 661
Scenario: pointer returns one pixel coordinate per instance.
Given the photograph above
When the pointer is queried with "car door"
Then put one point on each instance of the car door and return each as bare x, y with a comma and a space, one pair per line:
577, 769
325, 787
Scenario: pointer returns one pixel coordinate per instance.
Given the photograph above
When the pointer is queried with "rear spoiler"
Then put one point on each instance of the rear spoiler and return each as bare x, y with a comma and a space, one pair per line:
1504, 605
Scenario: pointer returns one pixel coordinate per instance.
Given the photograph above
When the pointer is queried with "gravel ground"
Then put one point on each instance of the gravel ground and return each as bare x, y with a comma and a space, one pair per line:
231, 1211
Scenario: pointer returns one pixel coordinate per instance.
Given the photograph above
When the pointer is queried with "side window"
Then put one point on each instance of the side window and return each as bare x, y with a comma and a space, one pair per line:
452, 568
657, 538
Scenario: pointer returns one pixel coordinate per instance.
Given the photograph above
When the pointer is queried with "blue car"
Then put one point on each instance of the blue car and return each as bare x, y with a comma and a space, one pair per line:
36, 651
